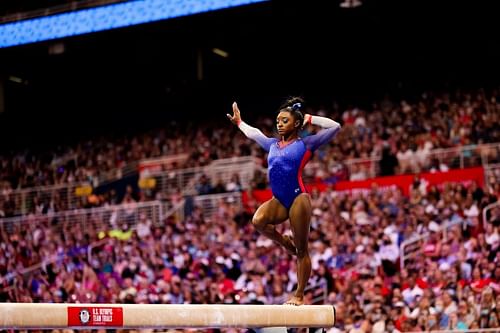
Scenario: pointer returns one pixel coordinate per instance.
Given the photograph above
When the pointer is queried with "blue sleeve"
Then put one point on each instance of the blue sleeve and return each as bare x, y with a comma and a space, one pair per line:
314, 141
256, 135
265, 142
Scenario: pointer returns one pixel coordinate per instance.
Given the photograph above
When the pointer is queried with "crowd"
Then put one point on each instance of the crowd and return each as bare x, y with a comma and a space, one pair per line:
448, 280
402, 135
391, 137
451, 280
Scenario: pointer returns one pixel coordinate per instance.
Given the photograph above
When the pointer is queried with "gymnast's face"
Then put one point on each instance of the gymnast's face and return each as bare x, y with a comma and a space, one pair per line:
286, 123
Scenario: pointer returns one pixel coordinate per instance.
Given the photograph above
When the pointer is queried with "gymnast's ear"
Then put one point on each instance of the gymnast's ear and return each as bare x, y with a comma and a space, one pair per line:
297, 124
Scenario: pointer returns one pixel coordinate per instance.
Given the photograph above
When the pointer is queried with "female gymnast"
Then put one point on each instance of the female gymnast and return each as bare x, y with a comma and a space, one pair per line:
287, 157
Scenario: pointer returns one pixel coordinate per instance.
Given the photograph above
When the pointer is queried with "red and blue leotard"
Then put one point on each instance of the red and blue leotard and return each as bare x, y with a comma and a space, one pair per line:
287, 162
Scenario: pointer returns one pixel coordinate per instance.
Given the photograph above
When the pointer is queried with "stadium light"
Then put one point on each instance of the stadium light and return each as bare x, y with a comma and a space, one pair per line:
220, 52
350, 3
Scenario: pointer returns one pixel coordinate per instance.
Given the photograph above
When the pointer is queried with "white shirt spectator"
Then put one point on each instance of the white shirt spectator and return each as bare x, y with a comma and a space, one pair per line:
405, 159
358, 173
409, 295
389, 252
392, 231
472, 211
263, 241
321, 254
360, 121
451, 308
144, 228
421, 156
493, 238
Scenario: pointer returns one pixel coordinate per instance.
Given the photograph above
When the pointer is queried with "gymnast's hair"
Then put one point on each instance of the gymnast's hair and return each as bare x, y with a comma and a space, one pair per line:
294, 105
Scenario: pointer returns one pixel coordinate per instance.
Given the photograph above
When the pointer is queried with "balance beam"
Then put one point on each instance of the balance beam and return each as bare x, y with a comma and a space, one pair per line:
130, 316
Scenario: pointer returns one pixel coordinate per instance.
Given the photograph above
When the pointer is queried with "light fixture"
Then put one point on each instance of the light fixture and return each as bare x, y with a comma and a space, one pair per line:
220, 52
15, 79
350, 3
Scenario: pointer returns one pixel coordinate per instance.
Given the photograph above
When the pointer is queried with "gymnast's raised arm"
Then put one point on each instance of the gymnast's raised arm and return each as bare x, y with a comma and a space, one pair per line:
250, 132
330, 129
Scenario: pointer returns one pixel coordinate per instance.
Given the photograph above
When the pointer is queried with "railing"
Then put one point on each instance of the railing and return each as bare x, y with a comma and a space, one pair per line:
211, 203
187, 179
102, 218
180, 179
366, 263
456, 157
96, 219
107, 218
319, 291
224, 169
116, 174
467, 156
73, 5
412, 247
163, 163
492, 176
370, 166
25, 199
177, 211
490, 153
245, 167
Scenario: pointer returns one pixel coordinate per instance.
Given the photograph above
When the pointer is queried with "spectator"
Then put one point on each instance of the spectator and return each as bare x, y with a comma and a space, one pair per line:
388, 162
204, 185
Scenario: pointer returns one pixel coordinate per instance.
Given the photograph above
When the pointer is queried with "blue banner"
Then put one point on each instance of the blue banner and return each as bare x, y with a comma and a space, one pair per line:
105, 18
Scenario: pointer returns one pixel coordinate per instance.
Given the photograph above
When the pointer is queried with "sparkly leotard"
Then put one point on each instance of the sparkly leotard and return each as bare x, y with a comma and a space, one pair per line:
287, 162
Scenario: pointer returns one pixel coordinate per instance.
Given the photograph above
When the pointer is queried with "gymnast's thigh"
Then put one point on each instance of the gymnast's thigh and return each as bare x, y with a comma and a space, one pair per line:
271, 212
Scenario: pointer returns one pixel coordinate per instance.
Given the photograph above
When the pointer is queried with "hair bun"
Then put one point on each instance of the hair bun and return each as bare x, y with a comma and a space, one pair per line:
293, 103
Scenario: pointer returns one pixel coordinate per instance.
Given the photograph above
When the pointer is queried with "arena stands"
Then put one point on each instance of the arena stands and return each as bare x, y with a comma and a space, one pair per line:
148, 192
435, 132
389, 259
355, 248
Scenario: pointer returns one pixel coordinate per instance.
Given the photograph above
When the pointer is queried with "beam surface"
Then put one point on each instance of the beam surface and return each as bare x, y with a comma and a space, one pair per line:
52, 316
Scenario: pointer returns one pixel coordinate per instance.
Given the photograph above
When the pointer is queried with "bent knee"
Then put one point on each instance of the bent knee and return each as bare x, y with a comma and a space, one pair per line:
258, 221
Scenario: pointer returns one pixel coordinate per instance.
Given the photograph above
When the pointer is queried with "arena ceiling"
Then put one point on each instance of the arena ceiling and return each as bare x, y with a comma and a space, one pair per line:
256, 54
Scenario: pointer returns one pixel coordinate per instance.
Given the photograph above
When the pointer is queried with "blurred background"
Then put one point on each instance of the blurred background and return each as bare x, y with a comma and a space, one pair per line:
269, 50
118, 165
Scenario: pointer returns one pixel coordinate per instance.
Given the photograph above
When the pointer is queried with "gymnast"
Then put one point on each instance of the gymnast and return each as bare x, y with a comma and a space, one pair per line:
287, 157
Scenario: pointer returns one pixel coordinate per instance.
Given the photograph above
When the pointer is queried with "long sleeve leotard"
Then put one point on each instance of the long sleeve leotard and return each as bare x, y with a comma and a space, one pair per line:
287, 162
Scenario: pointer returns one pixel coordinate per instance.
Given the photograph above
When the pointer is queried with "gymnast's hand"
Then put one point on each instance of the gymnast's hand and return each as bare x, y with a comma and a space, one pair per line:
236, 117
307, 119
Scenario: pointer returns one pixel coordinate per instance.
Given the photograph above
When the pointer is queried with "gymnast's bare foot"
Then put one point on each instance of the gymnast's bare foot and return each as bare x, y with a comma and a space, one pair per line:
289, 245
295, 300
